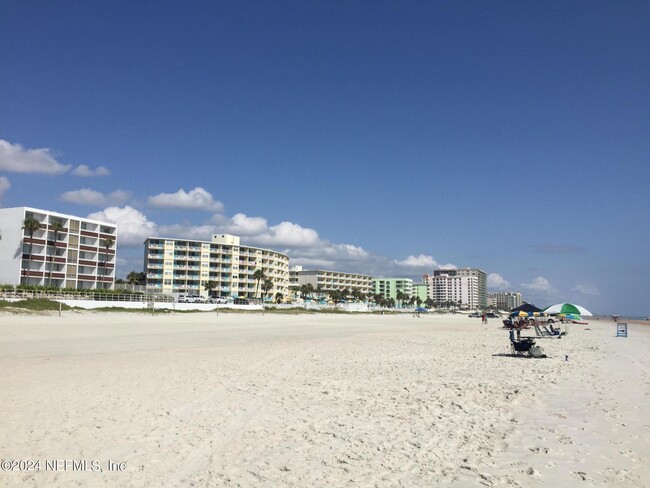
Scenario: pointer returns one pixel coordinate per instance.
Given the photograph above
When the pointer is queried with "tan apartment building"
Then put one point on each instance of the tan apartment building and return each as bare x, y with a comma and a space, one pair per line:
182, 266
330, 280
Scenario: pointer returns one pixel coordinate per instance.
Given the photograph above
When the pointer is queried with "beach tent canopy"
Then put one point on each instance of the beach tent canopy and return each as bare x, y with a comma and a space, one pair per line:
526, 307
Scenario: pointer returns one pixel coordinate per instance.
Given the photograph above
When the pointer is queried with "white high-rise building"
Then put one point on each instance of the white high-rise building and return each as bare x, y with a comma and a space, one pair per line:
505, 300
464, 288
63, 251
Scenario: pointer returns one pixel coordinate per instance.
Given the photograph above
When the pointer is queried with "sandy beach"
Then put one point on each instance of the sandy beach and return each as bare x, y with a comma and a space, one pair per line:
317, 400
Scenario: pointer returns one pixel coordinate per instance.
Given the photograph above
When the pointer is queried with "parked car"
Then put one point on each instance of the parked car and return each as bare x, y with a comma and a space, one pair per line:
241, 301
190, 299
474, 315
219, 300
543, 320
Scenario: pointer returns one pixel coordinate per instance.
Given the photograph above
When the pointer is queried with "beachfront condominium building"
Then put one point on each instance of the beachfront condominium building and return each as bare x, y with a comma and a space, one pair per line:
419, 290
182, 266
323, 281
41, 247
388, 287
464, 288
505, 300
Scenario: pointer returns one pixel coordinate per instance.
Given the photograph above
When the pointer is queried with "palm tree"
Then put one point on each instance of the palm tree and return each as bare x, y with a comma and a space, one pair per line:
31, 225
57, 228
399, 297
303, 291
259, 275
108, 243
137, 278
309, 288
357, 296
267, 285
209, 286
336, 296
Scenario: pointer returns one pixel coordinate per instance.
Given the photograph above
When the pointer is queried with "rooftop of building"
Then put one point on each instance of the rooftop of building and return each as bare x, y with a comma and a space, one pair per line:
60, 214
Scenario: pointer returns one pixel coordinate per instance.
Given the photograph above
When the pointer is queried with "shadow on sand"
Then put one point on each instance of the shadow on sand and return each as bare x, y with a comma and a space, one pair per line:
521, 356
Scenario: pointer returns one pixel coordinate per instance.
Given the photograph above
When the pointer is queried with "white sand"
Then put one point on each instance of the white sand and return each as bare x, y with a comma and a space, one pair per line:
316, 400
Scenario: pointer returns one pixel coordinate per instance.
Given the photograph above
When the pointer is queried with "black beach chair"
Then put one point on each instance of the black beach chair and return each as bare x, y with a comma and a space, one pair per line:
520, 346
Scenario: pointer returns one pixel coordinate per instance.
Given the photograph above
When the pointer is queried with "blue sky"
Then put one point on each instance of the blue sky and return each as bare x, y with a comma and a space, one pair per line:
387, 138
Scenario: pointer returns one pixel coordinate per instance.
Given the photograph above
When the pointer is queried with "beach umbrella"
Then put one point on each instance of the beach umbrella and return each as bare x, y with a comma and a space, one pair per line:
526, 307
564, 308
521, 313
572, 316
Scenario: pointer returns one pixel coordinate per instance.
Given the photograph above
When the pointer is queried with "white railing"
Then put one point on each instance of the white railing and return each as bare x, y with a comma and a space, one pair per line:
97, 296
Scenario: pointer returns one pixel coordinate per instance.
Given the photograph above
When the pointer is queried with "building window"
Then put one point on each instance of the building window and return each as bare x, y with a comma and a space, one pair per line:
73, 241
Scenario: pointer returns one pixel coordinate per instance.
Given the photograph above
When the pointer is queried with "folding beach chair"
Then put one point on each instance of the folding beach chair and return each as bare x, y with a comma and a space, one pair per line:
521, 346
554, 332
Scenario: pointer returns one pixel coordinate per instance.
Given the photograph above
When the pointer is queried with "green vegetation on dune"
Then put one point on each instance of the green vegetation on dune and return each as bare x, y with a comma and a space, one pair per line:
125, 309
35, 304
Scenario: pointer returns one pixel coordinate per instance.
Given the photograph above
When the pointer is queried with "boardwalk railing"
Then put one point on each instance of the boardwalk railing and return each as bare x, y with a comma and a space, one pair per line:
97, 296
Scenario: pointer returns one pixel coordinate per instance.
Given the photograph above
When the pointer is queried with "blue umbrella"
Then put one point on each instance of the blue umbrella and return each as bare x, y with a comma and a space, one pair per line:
572, 316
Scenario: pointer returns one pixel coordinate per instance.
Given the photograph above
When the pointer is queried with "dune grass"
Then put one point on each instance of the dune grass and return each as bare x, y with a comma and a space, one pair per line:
35, 305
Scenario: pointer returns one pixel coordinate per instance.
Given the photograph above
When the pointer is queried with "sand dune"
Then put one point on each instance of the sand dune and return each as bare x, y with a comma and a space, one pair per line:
315, 400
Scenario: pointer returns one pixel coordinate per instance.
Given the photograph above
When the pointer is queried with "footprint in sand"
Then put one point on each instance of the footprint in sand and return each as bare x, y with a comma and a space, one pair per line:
580, 475
616, 474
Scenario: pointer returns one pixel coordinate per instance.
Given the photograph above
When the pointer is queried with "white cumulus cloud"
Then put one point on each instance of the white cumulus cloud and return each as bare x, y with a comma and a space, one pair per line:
586, 289
497, 282
257, 231
242, 225
84, 170
86, 196
16, 159
133, 227
288, 234
540, 285
196, 199
421, 261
